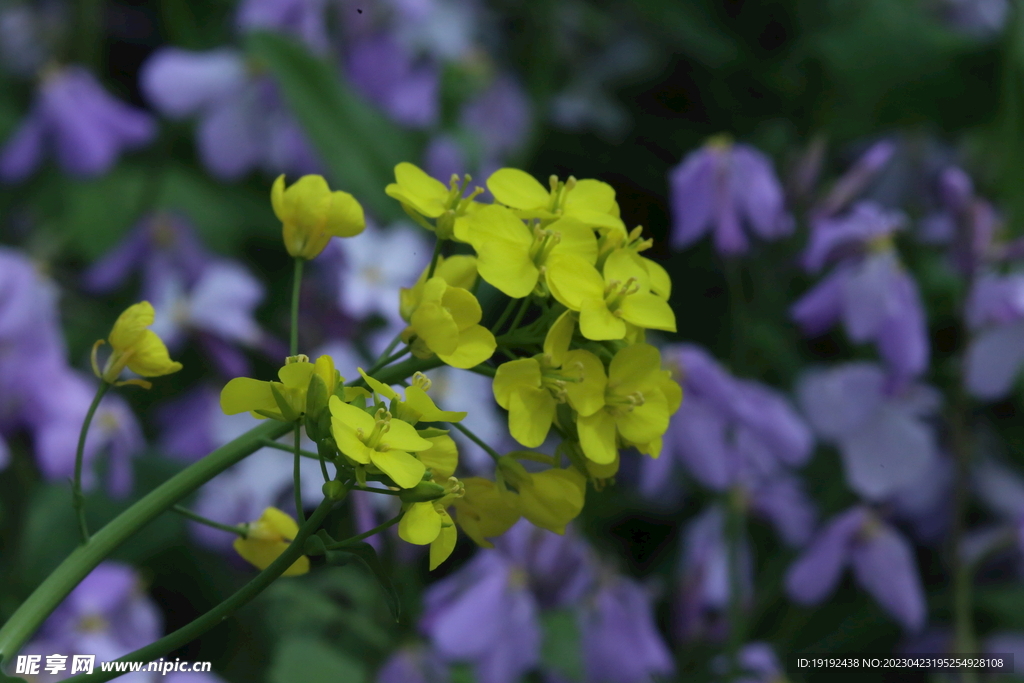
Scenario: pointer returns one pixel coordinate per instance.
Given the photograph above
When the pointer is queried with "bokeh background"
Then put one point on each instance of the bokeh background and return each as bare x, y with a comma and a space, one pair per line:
139, 141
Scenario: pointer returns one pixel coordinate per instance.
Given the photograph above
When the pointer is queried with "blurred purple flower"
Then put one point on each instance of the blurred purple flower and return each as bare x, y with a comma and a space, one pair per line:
924, 503
757, 662
883, 564
873, 295
882, 433
500, 117
720, 186
965, 222
390, 76
28, 34
620, 641
243, 124
559, 568
107, 614
980, 18
304, 19
85, 127
414, 664
459, 619
58, 421
704, 578
995, 312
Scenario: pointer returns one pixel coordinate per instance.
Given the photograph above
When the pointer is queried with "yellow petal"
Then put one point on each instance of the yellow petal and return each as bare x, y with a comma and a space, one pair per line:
645, 422
660, 282
591, 194
420, 524
150, 357
476, 345
404, 469
597, 437
586, 396
502, 244
243, 394
444, 544
350, 415
436, 327
426, 410
644, 309
378, 387
514, 375
558, 338
485, 511
622, 266
441, 458
530, 414
458, 271
464, 307
518, 189
574, 238
426, 195
403, 436
634, 368
553, 498
296, 375
599, 323
572, 280
277, 198
261, 554
344, 215
131, 325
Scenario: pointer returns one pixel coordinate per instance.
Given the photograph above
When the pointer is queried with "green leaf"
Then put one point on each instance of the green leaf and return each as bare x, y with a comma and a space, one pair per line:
357, 144
49, 533
312, 661
560, 648
366, 553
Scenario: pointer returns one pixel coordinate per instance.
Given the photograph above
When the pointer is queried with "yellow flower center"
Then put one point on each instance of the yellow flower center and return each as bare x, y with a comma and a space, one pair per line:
616, 291
92, 623
620, 405
381, 427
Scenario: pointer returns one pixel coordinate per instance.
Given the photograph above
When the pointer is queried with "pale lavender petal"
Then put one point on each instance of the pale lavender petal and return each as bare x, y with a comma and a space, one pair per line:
699, 432
785, 503
1000, 488
5, 453
816, 572
903, 337
993, 361
230, 138
775, 422
391, 78
868, 296
822, 307
841, 400
834, 238
996, 300
891, 451
223, 303
466, 629
885, 567
23, 151
181, 82
302, 18
518, 650
500, 116
856, 179
729, 237
413, 664
692, 192
758, 193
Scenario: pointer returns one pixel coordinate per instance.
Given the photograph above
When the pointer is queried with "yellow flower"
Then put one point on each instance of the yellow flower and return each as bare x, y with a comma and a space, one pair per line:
379, 440
458, 271
445, 322
311, 214
591, 202
659, 280
637, 405
674, 397
485, 510
267, 538
422, 195
284, 400
425, 523
416, 406
135, 347
607, 303
514, 257
530, 390
549, 499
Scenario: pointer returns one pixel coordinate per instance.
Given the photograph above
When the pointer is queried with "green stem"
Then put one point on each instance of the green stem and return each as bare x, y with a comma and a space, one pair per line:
388, 361
55, 587
366, 534
387, 492
297, 476
519, 314
185, 512
218, 614
476, 439
77, 499
288, 449
384, 354
434, 257
504, 316
296, 287
737, 314
734, 532
485, 370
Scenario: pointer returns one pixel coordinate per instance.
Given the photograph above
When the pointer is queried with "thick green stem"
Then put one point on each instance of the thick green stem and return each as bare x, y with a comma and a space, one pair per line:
188, 514
297, 475
296, 288
24, 622
218, 614
77, 499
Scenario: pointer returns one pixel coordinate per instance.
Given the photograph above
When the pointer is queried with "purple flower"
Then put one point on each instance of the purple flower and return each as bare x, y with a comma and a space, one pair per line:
721, 186
459, 618
873, 295
883, 564
758, 663
980, 18
500, 116
393, 79
704, 585
924, 504
157, 243
965, 222
414, 664
107, 614
243, 121
86, 128
114, 430
882, 433
620, 641
995, 311
301, 18
559, 568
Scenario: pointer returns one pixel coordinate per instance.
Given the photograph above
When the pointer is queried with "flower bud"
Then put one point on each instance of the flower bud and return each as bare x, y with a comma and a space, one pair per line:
423, 492
335, 490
